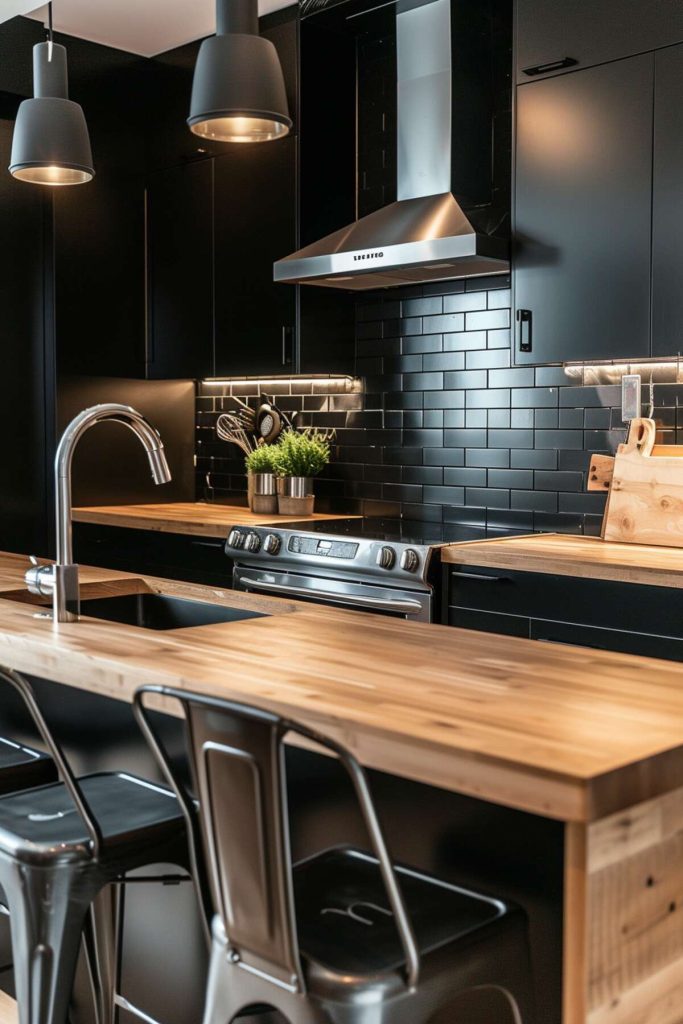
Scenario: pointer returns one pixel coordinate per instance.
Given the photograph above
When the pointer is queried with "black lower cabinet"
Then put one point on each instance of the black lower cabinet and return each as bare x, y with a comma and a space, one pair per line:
168, 555
602, 614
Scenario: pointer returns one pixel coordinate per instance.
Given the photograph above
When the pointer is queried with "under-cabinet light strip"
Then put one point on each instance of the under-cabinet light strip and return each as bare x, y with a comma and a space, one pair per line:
290, 378
659, 370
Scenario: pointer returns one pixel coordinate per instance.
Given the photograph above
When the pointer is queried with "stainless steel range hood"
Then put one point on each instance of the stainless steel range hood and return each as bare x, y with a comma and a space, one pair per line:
425, 236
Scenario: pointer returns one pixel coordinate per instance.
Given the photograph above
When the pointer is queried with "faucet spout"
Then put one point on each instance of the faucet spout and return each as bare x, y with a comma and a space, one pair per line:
64, 578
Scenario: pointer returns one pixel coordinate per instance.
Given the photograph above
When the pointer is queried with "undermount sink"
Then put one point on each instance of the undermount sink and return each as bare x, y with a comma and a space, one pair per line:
156, 611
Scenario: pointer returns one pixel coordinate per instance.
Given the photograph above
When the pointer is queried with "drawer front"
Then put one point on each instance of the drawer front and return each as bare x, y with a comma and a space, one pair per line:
667, 648
602, 603
488, 622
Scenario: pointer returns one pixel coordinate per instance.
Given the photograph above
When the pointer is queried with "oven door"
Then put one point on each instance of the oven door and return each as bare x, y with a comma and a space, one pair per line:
404, 604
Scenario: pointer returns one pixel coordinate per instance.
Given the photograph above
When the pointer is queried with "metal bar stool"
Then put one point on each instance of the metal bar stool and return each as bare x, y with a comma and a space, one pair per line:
21, 767
61, 844
345, 937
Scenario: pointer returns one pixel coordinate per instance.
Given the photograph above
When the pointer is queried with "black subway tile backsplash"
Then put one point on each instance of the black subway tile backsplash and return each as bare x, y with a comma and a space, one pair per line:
444, 428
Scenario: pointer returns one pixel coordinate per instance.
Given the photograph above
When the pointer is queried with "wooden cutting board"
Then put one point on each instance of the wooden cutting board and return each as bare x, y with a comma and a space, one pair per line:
645, 503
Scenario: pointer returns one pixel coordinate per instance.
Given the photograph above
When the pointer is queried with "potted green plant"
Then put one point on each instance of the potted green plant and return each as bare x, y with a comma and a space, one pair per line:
299, 456
261, 465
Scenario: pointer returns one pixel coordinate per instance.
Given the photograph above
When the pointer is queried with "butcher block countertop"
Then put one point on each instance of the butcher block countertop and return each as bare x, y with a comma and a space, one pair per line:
196, 519
566, 732
586, 557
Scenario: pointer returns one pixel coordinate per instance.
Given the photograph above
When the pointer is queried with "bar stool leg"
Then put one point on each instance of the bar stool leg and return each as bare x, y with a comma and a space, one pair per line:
47, 912
101, 944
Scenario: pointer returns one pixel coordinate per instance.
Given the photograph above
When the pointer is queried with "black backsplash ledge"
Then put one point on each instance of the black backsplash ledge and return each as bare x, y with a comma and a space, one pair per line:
444, 429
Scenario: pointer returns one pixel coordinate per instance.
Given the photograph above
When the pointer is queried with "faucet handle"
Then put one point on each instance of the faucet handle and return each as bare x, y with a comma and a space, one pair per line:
39, 578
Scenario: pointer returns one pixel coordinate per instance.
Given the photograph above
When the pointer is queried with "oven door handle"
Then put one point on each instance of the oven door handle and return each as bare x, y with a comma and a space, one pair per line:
405, 607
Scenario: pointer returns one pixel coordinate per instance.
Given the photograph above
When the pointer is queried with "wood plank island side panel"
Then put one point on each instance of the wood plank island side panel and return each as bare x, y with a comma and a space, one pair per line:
634, 904
567, 555
194, 519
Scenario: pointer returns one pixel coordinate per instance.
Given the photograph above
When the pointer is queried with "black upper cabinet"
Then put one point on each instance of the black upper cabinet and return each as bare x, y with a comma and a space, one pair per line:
255, 204
28, 363
550, 31
583, 193
180, 271
667, 210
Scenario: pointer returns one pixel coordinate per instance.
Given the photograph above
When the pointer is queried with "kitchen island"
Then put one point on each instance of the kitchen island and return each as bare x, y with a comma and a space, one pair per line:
589, 739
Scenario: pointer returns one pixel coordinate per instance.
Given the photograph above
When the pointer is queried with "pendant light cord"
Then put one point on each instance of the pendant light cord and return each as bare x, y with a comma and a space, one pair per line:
50, 32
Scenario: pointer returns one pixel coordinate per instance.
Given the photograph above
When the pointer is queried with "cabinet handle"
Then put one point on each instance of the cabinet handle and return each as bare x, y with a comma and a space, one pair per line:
287, 337
480, 576
553, 65
524, 322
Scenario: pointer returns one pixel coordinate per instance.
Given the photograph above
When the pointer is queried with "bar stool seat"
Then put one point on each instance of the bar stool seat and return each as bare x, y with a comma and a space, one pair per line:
346, 926
43, 824
22, 767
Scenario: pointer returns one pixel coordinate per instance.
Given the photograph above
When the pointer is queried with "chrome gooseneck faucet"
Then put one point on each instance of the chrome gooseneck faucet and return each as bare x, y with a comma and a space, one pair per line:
61, 579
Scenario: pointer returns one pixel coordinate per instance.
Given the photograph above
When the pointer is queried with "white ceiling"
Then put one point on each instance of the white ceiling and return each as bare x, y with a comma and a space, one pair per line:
145, 27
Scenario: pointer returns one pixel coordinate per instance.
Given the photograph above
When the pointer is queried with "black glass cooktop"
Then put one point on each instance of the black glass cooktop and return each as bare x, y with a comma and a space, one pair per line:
404, 531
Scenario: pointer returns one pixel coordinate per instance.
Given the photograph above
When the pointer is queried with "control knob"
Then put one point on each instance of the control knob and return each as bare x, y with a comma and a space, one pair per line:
386, 557
252, 543
235, 539
272, 544
410, 560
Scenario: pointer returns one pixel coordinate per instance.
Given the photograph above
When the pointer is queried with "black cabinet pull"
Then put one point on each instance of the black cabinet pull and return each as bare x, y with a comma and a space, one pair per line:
553, 65
524, 317
480, 576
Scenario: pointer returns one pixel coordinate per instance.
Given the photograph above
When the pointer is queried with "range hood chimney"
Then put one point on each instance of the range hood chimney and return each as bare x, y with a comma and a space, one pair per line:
425, 235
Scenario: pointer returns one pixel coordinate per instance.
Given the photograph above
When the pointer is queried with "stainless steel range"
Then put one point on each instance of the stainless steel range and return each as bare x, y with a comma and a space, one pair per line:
382, 566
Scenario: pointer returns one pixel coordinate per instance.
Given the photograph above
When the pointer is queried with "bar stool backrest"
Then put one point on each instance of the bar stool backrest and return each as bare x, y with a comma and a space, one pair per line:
241, 843
66, 775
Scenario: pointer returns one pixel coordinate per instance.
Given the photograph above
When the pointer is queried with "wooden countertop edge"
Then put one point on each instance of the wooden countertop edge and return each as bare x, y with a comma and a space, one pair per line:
514, 554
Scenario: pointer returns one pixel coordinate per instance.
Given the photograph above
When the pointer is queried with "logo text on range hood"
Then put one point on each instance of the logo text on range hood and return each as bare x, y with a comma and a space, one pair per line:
425, 235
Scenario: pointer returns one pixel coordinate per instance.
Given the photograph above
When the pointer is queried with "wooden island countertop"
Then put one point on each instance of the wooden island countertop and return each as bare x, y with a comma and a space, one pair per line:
566, 732
569, 555
192, 518
587, 737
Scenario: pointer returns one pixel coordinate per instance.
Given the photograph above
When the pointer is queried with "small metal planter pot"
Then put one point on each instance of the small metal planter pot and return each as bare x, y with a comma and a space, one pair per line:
262, 493
295, 496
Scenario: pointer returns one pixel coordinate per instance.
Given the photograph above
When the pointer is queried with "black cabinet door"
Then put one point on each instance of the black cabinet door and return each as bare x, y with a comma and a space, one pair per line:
583, 191
549, 31
27, 361
255, 212
254, 198
667, 209
180, 271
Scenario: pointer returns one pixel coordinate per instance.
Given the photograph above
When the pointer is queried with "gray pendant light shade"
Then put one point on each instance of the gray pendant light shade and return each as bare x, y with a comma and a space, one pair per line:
238, 94
51, 145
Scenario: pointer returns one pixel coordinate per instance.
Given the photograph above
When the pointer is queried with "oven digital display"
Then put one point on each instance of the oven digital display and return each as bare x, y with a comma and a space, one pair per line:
323, 547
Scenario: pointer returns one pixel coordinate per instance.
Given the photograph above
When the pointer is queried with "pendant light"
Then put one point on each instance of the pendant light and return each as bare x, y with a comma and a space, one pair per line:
51, 145
238, 93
